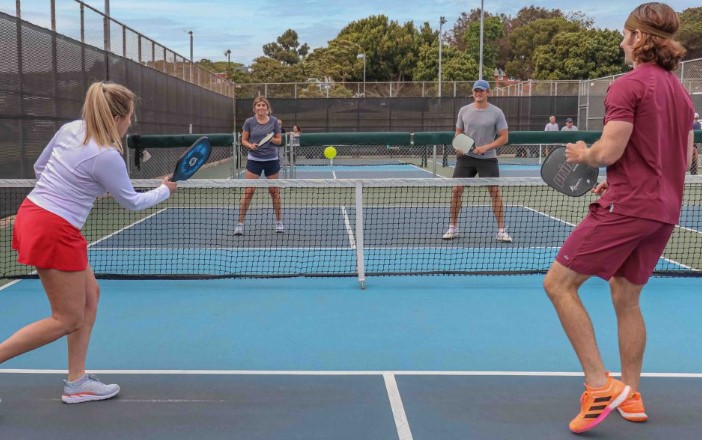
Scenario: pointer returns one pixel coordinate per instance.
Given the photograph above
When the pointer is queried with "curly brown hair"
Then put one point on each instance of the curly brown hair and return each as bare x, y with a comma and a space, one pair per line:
657, 23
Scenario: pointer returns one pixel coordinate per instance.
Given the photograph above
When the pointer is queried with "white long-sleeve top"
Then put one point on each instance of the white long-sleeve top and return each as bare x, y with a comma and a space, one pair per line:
71, 175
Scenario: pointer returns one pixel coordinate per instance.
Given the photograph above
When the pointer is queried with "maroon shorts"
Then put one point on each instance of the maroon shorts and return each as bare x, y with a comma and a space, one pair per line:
606, 244
47, 241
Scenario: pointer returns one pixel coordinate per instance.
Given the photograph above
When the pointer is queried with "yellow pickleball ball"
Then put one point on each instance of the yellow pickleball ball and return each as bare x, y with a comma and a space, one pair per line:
330, 153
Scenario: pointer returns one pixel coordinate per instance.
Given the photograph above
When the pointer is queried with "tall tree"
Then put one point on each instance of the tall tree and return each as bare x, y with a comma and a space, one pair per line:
580, 55
492, 33
389, 48
690, 32
339, 62
427, 36
265, 69
525, 39
455, 65
286, 49
454, 37
237, 73
525, 16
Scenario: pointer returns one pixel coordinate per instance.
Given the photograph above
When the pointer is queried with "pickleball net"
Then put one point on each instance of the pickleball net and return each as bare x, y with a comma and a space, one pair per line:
355, 227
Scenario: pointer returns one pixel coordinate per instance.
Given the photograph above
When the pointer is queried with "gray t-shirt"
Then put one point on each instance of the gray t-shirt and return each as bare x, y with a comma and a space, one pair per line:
551, 127
566, 128
258, 131
482, 125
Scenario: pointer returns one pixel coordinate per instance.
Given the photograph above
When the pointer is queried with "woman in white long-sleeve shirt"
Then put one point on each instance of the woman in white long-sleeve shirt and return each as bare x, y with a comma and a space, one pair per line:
82, 161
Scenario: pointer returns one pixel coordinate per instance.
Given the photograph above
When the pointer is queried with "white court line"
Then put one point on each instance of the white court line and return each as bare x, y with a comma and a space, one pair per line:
9, 284
128, 226
221, 248
123, 400
349, 229
442, 165
547, 216
304, 248
573, 225
98, 241
688, 229
398, 410
418, 168
345, 373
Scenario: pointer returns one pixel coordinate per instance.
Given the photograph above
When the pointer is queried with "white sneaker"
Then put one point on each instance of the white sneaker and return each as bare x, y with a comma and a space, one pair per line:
279, 228
451, 233
503, 236
239, 230
87, 389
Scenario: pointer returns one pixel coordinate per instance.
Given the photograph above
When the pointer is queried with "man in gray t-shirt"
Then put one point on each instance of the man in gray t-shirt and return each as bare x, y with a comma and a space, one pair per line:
487, 125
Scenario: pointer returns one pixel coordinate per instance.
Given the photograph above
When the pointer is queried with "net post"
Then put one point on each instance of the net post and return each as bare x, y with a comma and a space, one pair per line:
126, 155
360, 262
433, 158
235, 155
541, 150
239, 158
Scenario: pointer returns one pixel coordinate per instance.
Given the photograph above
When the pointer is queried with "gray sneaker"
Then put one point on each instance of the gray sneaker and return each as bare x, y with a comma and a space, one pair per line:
87, 389
503, 236
451, 233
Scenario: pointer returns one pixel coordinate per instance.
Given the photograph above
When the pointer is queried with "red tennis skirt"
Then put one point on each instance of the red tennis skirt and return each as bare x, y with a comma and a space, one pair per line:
47, 241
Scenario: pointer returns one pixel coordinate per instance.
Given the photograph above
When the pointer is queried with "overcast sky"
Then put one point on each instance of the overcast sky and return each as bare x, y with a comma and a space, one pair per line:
245, 26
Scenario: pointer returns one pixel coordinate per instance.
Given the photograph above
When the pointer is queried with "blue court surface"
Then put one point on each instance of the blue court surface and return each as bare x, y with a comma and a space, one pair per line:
434, 357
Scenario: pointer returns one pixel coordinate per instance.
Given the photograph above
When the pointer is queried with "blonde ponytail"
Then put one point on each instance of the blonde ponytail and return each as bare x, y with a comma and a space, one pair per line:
103, 102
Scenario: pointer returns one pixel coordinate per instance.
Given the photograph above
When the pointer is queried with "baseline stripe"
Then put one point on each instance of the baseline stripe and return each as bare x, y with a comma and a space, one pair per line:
343, 373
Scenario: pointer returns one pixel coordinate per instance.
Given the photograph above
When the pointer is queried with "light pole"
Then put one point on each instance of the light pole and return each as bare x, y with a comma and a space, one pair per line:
363, 55
190, 127
482, 20
107, 27
191, 55
442, 21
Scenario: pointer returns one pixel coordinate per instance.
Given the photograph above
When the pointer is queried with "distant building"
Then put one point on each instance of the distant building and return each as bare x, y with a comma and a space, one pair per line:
501, 79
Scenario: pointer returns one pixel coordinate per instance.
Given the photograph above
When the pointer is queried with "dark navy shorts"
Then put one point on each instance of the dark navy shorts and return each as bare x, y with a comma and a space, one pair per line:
269, 167
467, 166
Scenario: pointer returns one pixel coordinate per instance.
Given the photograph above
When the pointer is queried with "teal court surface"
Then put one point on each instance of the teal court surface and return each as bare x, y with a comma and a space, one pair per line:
432, 357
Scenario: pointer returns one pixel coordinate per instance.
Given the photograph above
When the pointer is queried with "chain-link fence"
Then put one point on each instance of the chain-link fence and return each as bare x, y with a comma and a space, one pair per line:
44, 75
402, 89
407, 114
592, 93
82, 22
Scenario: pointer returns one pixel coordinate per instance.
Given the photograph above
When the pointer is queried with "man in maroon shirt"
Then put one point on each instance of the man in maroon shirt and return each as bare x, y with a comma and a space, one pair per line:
646, 145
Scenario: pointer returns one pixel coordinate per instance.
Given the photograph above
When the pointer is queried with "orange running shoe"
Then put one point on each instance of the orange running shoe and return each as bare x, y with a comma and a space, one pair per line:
632, 409
597, 403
